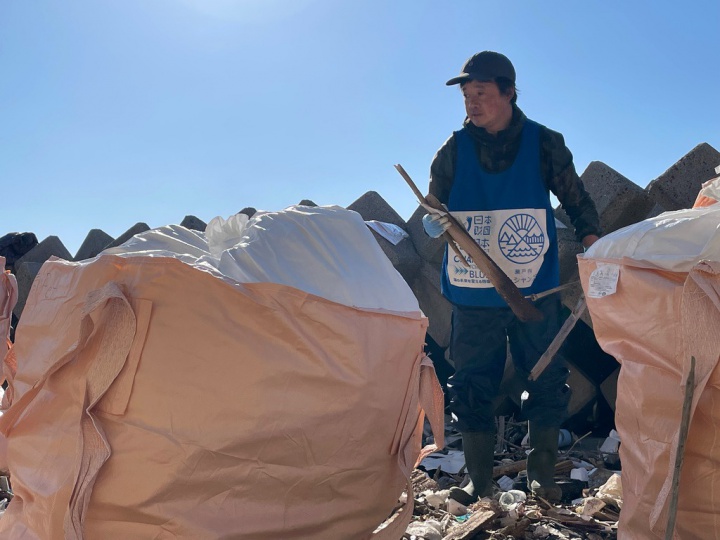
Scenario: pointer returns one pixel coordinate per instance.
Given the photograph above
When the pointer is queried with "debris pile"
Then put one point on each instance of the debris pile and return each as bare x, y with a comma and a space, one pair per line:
587, 471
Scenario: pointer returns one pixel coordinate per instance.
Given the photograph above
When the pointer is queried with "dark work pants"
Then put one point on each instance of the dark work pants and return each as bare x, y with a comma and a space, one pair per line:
478, 347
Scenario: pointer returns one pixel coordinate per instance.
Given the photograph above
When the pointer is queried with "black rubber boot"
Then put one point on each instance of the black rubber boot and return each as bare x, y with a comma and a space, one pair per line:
541, 463
479, 449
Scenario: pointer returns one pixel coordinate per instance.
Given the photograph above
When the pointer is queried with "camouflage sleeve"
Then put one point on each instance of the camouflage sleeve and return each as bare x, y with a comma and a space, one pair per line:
442, 170
564, 182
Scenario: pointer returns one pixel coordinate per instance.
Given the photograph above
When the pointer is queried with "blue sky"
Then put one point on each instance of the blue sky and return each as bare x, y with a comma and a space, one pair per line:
116, 112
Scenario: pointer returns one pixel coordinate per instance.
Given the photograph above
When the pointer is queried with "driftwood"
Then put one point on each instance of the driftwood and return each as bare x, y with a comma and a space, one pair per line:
559, 339
423, 201
479, 520
574, 521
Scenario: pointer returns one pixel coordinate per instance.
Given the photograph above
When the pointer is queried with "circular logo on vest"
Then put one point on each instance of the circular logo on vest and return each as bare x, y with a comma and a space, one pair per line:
521, 239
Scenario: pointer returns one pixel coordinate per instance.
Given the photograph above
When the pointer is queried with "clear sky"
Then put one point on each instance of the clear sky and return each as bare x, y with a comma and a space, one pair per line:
114, 112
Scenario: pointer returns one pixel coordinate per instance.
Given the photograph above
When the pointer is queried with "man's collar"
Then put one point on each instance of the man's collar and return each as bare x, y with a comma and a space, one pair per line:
512, 131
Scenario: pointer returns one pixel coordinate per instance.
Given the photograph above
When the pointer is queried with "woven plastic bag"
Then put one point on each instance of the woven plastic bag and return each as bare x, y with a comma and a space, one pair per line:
653, 291
161, 399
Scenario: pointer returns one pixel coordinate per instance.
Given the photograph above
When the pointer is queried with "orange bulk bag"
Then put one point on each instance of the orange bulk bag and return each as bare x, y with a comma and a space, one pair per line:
653, 292
160, 399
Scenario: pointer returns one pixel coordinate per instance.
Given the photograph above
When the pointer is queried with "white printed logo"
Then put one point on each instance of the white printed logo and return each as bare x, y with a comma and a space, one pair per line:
521, 239
515, 239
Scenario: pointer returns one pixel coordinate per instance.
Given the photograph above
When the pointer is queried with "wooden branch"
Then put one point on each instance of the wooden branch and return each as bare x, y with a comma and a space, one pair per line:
421, 198
682, 439
567, 452
509, 468
559, 339
477, 521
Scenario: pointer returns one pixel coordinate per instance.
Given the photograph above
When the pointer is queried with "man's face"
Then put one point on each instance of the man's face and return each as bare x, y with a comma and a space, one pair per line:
486, 107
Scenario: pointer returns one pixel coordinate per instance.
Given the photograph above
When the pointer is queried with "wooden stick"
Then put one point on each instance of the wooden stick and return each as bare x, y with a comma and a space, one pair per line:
521, 306
573, 444
423, 201
682, 439
456, 249
559, 339
538, 296
500, 435
478, 521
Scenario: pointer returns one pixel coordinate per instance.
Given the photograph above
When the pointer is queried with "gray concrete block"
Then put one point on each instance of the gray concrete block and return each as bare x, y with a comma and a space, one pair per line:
28, 266
426, 287
372, 206
193, 223
655, 211
94, 243
584, 391
25, 273
14, 245
678, 187
307, 202
402, 256
429, 249
44, 250
582, 349
127, 235
608, 388
619, 201
249, 211
568, 249
570, 296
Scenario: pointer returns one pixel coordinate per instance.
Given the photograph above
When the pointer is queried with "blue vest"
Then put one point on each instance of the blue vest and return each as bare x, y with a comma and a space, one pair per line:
510, 216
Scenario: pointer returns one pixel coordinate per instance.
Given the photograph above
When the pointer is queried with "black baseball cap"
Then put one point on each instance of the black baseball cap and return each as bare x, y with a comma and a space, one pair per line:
485, 66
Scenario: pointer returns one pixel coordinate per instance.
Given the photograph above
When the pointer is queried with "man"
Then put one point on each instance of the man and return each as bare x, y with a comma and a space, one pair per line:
494, 175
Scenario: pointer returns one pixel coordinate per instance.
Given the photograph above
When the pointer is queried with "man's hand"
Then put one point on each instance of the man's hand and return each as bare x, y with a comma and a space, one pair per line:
589, 240
435, 225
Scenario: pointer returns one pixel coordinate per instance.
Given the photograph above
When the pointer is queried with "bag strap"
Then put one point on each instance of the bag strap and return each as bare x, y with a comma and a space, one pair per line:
107, 330
432, 404
112, 340
395, 526
699, 317
10, 294
95, 302
8, 299
432, 401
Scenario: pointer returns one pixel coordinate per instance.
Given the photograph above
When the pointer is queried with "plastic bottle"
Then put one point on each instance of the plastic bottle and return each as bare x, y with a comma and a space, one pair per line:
509, 499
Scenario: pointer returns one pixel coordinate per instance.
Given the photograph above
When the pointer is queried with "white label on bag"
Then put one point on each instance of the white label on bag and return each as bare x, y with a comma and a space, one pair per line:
603, 280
